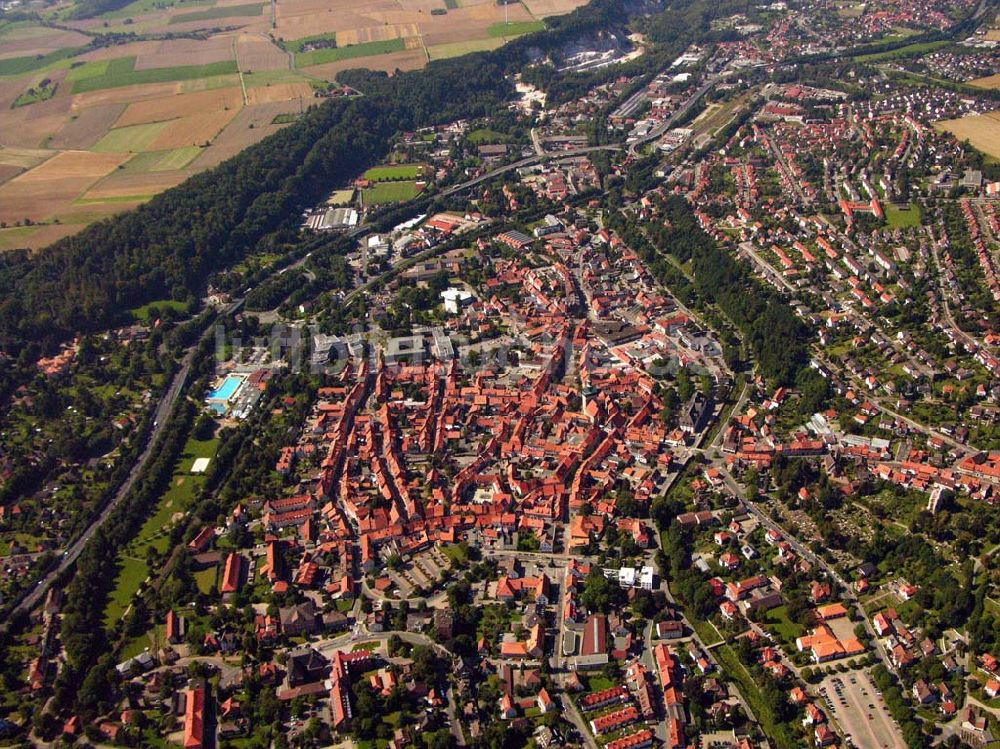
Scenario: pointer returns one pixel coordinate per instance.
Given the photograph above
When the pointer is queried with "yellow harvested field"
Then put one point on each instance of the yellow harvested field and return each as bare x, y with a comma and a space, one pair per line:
280, 92
111, 52
300, 18
455, 49
238, 134
181, 105
468, 23
21, 130
50, 187
44, 163
993, 35
545, 8
25, 158
34, 237
257, 52
126, 94
187, 52
424, 6
195, 130
139, 186
376, 34
981, 130
992, 81
38, 40
210, 84
72, 165
87, 127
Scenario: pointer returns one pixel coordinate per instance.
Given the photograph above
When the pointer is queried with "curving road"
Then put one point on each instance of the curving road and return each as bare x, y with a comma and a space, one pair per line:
526, 162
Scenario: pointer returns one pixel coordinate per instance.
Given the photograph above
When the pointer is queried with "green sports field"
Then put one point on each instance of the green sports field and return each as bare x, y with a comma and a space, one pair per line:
902, 218
390, 192
393, 173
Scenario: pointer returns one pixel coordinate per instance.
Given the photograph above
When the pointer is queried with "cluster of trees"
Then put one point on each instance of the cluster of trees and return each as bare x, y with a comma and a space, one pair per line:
371, 708
269, 295
896, 704
87, 680
777, 338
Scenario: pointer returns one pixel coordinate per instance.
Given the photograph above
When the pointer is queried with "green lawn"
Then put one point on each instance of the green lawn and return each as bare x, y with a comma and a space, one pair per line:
121, 72
206, 578
142, 313
390, 192
395, 172
136, 645
91, 69
14, 237
902, 217
484, 135
178, 158
598, 683
222, 11
130, 576
781, 734
180, 495
26, 540
182, 491
264, 78
515, 28
787, 630
367, 49
455, 553
457, 49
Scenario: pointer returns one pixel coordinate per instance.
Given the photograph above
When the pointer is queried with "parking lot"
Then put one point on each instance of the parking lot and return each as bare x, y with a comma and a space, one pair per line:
860, 711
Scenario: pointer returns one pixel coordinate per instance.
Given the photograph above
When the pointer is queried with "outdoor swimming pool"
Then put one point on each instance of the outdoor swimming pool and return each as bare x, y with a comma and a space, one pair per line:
225, 391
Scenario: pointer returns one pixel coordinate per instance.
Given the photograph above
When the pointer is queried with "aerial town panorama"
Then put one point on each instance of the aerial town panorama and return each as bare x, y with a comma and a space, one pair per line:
477, 373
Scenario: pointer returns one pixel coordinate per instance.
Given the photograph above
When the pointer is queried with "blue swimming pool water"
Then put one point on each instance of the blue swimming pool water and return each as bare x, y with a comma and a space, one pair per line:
225, 391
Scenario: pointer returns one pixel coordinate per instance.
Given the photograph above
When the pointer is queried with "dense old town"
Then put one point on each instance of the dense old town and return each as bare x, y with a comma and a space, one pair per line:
658, 408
